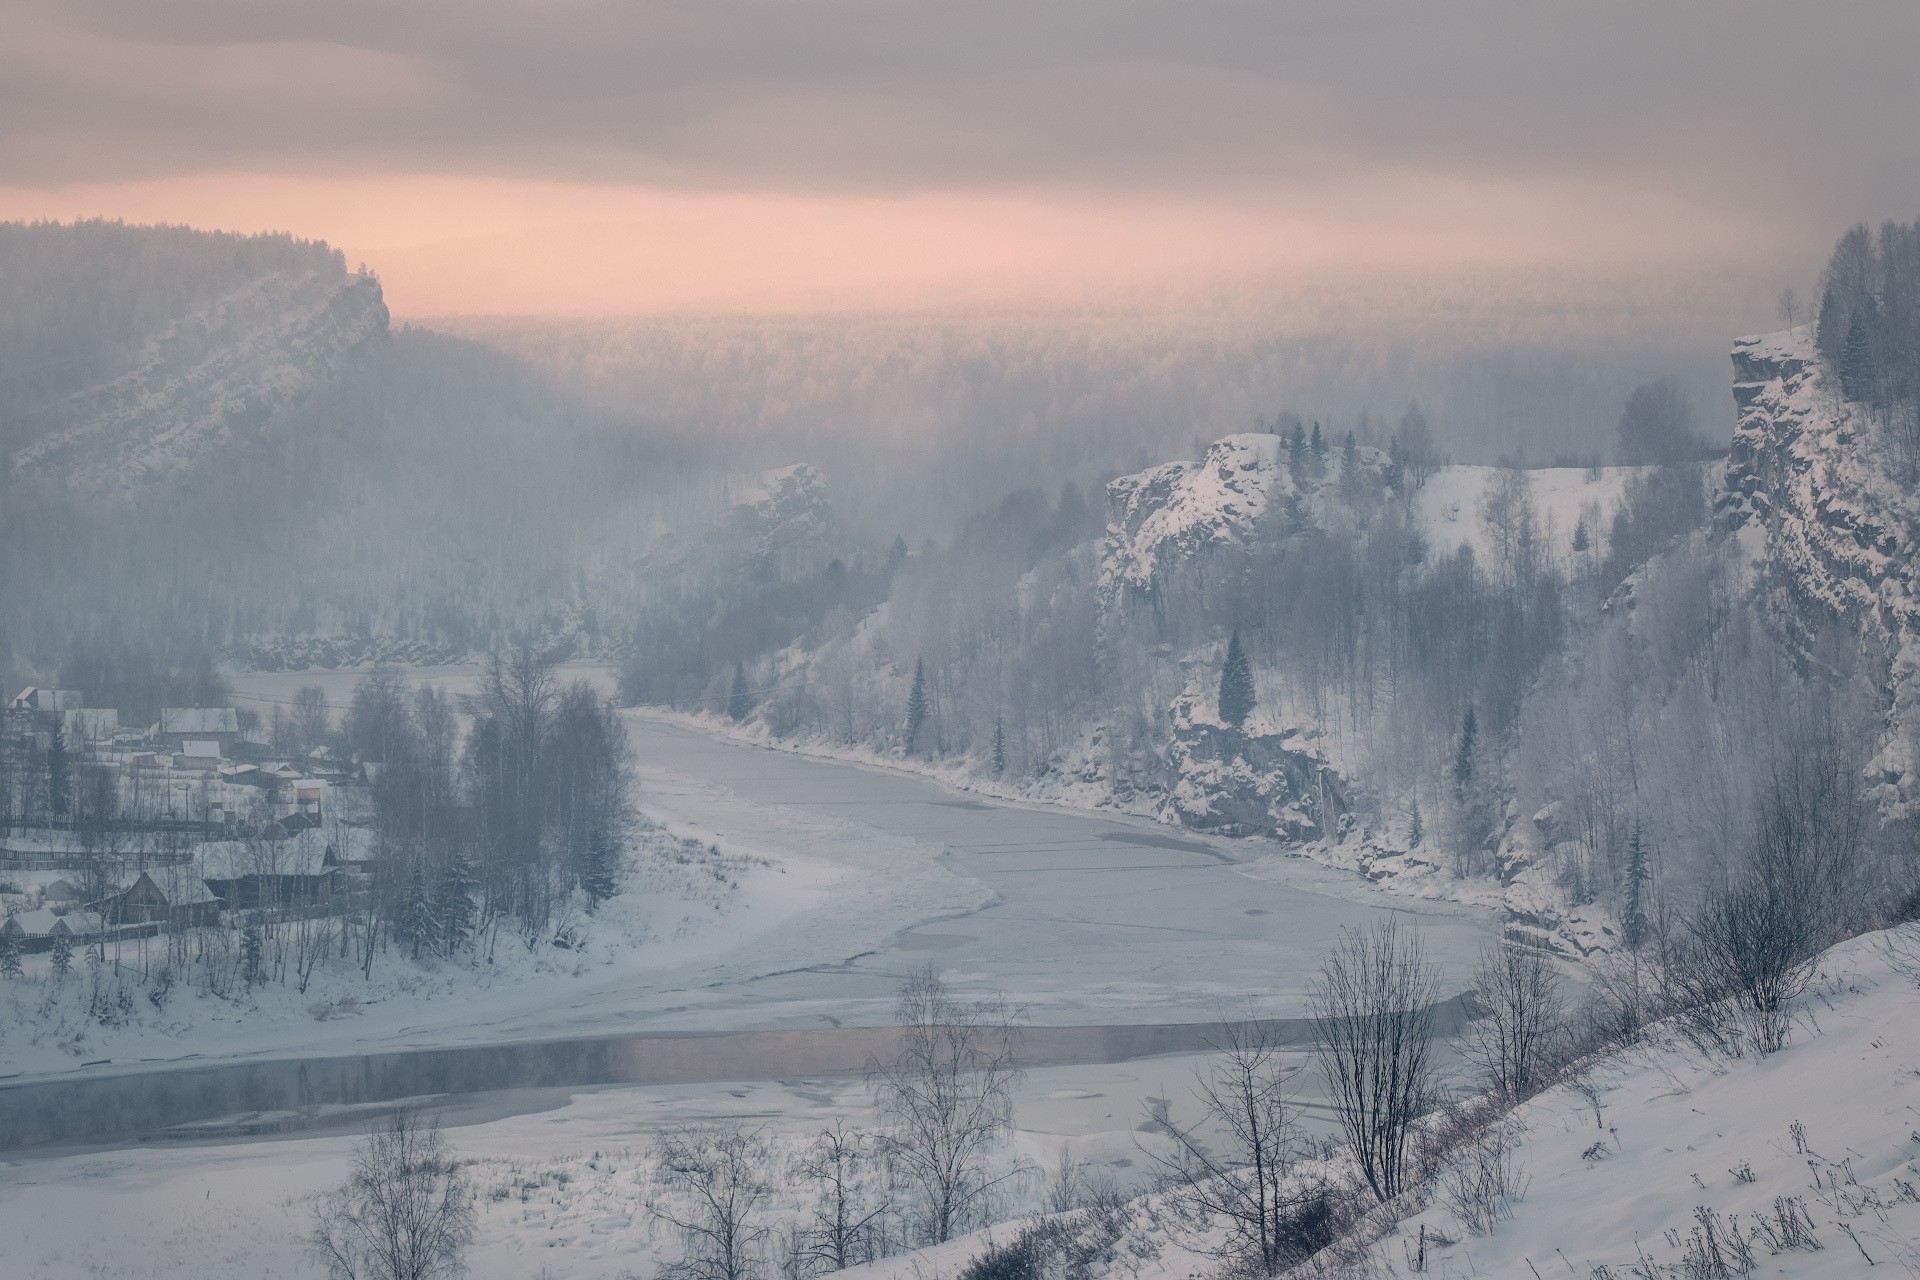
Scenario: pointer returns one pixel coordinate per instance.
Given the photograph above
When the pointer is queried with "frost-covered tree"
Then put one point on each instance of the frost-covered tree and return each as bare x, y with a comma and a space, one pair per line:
999, 747
62, 957
10, 966
1236, 685
739, 701
917, 706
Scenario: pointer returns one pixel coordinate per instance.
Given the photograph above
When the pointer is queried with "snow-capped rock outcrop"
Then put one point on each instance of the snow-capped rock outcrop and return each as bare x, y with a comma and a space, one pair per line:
1813, 475
206, 380
1244, 782
1175, 511
780, 515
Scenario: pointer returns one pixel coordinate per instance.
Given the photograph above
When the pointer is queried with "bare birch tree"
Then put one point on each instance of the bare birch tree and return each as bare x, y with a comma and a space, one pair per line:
716, 1188
1373, 1014
946, 1099
1514, 1043
405, 1213
1246, 1189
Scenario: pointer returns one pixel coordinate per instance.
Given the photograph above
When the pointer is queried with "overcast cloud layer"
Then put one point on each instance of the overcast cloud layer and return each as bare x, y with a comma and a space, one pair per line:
1765, 126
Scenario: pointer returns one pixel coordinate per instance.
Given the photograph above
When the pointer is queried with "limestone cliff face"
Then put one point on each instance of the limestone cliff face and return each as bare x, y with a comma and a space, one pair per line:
206, 381
1813, 479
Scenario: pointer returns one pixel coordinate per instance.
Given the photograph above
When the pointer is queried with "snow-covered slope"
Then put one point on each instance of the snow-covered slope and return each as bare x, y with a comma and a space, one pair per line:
1168, 515
1824, 485
207, 379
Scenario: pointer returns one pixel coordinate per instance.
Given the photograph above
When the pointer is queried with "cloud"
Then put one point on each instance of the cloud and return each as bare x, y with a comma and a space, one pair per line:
1763, 124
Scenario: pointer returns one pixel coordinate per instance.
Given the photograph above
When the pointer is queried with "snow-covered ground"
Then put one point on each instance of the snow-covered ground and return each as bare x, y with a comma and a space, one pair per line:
1824, 1130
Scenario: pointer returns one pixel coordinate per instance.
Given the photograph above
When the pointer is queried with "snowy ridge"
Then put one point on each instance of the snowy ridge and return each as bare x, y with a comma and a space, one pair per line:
205, 378
1814, 473
1168, 515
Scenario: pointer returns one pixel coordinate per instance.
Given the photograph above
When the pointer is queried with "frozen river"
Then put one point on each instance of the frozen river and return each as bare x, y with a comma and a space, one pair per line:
1082, 920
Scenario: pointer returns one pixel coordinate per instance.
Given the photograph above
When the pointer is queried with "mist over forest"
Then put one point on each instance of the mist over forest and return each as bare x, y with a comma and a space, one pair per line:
961, 642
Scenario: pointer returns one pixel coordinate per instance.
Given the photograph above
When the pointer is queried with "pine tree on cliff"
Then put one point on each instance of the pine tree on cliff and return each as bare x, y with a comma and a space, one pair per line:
1633, 912
739, 702
917, 704
1297, 454
1856, 366
999, 747
1236, 685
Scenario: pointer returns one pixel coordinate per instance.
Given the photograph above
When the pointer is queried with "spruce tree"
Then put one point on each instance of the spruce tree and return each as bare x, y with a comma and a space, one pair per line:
1319, 442
917, 704
62, 954
999, 748
1297, 454
454, 903
10, 958
1463, 762
739, 702
600, 877
253, 955
1236, 685
415, 924
1581, 540
59, 775
1416, 832
1633, 912
1856, 368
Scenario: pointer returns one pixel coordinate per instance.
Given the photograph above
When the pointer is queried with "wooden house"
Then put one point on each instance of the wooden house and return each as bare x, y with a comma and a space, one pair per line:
174, 896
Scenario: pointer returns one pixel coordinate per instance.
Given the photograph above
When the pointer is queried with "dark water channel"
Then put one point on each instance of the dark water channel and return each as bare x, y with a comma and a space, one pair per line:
194, 1103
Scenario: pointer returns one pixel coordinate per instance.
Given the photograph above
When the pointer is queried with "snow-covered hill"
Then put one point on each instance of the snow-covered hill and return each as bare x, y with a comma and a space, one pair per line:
207, 379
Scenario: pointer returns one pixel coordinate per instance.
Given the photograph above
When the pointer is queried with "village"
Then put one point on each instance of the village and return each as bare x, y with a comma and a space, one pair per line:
112, 833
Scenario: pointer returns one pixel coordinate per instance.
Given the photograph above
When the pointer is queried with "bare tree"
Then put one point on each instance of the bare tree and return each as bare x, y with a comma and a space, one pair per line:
946, 1098
405, 1212
848, 1206
1515, 1042
716, 1187
1269, 1220
1373, 1013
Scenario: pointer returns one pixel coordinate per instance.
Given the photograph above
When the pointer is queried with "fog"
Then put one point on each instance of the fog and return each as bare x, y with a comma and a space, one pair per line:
960, 640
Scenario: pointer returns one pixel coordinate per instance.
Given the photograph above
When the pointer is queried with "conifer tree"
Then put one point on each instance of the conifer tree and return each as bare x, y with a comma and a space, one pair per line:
1463, 762
1856, 368
1236, 685
1318, 443
62, 954
917, 704
739, 702
10, 958
1297, 453
1633, 912
253, 953
59, 775
1581, 539
600, 877
455, 902
999, 748
1416, 831
415, 924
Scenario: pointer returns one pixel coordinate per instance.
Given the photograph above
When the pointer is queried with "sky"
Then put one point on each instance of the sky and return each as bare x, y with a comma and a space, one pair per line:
568, 157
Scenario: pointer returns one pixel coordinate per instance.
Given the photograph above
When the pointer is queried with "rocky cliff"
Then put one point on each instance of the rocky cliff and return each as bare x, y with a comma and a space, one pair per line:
1818, 486
205, 380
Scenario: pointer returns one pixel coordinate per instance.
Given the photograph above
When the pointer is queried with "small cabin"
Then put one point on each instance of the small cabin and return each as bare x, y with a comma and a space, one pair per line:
174, 896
